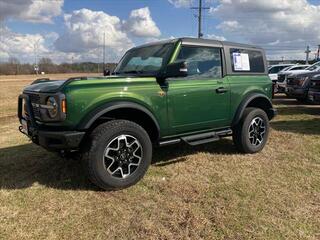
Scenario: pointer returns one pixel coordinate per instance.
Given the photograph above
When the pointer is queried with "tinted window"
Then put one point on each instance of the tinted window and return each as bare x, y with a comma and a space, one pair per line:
314, 67
297, 68
276, 69
201, 61
244, 60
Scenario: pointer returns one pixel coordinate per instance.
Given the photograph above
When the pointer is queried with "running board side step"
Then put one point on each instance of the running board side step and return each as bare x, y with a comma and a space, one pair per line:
200, 138
206, 137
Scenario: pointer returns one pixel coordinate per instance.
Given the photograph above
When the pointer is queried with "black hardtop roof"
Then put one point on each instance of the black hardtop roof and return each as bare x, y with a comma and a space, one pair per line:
201, 41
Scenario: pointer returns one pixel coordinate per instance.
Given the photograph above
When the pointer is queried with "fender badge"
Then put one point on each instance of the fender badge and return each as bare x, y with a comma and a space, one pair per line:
161, 93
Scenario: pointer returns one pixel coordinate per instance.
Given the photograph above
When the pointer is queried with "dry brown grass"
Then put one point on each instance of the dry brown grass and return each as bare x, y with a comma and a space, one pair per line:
206, 192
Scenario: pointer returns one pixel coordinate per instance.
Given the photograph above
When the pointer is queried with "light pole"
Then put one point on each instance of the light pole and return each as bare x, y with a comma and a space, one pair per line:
307, 52
35, 47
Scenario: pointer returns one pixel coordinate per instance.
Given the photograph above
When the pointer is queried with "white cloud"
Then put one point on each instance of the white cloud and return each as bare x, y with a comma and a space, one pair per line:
85, 33
229, 26
281, 28
216, 37
83, 38
21, 46
30, 10
140, 24
181, 3
85, 30
24, 46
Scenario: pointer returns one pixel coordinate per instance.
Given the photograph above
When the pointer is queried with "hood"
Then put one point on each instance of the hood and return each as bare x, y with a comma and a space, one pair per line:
304, 74
46, 86
295, 72
53, 86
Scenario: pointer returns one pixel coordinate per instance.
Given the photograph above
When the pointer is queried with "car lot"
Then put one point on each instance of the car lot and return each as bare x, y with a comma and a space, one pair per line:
210, 191
298, 81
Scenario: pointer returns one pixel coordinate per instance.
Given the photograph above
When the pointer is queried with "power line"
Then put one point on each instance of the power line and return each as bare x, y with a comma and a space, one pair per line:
200, 8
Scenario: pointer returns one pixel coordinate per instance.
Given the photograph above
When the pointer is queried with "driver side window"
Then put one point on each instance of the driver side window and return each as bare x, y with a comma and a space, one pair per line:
202, 62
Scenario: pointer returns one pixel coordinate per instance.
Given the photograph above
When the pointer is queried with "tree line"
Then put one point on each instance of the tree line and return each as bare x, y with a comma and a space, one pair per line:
14, 67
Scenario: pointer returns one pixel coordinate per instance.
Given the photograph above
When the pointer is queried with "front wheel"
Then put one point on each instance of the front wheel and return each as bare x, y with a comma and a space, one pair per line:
250, 135
119, 154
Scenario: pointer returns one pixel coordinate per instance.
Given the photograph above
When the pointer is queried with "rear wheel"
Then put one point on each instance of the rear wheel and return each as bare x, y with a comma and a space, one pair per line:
251, 133
119, 154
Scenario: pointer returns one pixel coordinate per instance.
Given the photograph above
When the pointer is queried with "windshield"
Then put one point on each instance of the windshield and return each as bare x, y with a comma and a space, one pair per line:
286, 69
145, 60
314, 67
277, 68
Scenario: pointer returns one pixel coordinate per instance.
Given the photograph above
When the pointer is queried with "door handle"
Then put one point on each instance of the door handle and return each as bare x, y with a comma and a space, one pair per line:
221, 90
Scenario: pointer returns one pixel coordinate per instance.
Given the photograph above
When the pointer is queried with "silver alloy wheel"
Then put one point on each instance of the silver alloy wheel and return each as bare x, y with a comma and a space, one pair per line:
122, 156
257, 130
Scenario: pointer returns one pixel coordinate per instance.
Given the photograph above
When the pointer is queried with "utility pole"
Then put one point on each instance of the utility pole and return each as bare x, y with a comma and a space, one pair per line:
282, 59
72, 64
307, 52
35, 48
104, 51
200, 8
318, 53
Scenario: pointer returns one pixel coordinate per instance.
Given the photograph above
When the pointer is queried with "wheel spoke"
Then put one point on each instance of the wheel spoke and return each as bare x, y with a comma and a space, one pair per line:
122, 156
256, 131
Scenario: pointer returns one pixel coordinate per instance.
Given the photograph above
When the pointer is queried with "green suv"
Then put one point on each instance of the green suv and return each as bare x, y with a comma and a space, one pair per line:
182, 90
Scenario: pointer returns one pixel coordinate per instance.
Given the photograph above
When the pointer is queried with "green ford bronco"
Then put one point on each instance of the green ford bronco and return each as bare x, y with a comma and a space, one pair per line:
182, 90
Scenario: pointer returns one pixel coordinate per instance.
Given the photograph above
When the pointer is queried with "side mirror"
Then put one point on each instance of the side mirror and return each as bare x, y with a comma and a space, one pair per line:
176, 69
106, 72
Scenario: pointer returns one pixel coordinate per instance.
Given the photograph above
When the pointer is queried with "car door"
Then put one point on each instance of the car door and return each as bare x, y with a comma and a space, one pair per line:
202, 99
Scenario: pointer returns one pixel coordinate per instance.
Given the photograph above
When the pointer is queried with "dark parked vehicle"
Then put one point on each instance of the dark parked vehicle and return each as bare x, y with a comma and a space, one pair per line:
314, 90
298, 84
281, 83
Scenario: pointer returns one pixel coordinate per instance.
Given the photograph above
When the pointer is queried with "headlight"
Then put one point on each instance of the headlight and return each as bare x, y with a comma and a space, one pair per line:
52, 107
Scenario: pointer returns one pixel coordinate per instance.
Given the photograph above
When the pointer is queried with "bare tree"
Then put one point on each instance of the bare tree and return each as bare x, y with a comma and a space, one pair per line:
46, 65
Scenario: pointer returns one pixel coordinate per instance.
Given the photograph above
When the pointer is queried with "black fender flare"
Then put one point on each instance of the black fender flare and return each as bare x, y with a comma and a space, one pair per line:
90, 118
246, 101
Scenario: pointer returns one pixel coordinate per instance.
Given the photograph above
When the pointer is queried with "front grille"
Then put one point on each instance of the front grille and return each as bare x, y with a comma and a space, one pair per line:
281, 77
315, 84
292, 81
35, 99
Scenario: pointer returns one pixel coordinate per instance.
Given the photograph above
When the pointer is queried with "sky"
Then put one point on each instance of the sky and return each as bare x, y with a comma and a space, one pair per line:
76, 30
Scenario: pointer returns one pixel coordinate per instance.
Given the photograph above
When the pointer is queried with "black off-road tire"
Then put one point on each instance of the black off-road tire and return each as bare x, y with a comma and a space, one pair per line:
94, 160
241, 131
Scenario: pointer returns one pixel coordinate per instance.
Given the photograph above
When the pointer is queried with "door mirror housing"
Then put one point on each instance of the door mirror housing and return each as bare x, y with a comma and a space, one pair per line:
176, 69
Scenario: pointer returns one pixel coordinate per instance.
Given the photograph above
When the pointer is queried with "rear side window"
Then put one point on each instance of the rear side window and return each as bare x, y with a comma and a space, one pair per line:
244, 60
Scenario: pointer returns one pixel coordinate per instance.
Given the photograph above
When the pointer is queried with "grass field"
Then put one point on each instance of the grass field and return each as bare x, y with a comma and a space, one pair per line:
205, 192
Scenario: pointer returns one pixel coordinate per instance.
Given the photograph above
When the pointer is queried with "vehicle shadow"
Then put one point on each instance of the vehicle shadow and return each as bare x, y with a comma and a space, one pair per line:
28, 165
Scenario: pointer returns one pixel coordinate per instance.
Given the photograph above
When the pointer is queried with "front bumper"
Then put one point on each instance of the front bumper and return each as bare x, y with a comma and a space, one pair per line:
314, 97
51, 140
296, 92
